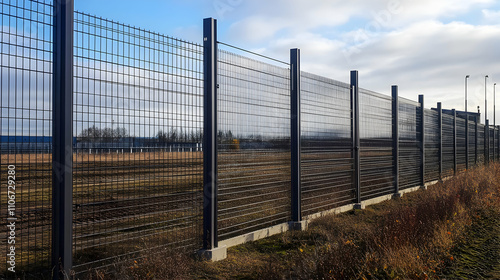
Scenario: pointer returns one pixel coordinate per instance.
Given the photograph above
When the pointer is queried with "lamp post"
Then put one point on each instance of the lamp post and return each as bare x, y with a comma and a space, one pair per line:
485, 99
494, 105
466, 78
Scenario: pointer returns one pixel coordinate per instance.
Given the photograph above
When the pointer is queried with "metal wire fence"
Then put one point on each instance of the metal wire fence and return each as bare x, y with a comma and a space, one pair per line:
497, 143
26, 130
472, 143
410, 159
432, 140
448, 152
326, 144
138, 130
481, 151
491, 146
376, 144
461, 144
254, 177
138, 101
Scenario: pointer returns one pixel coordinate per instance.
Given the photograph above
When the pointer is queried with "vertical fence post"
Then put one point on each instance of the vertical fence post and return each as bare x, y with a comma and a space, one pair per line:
440, 128
422, 139
62, 134
498, 144
297, 223
395, 139
455, 168
355, 136
211, 248
476, 129
487, 143
466, 141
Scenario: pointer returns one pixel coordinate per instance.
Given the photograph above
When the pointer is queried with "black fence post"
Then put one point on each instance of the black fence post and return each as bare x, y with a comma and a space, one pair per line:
210, 240
487, 143
498, 144
467, 141
422, 138
476, 128
440, 128
455, 168
395, 138
355, 136
295, 139
62, 134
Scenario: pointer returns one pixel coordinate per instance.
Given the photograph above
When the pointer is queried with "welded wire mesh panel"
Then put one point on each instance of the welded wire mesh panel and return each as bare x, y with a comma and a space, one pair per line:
461, 144
431, 145
480, 144
497, 142
410, 158
448, 145
491, 147
376, 144
472, 143
253, 145
25, 136
138, 131
326, 144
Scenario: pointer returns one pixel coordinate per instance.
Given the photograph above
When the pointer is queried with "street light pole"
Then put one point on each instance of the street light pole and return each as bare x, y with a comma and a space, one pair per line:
485, 99
466, 78
494, 105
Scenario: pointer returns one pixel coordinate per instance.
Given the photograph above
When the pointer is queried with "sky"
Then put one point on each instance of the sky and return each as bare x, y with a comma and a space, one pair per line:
425, 47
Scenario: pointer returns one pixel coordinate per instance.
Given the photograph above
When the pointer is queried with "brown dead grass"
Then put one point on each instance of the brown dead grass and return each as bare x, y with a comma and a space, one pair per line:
414, 237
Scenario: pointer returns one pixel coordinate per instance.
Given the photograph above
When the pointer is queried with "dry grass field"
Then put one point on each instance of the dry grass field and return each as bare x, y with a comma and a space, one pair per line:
126, 203
450, 231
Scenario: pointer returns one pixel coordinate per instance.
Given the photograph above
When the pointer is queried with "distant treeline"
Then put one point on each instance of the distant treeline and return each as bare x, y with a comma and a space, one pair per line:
118, 135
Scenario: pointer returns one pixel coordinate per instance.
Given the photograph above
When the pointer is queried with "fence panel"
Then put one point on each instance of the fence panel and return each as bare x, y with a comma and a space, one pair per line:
326, 144
431, 145
492, 143
480, 144
497, 141
461, 144
448, 146
254, 177
410, 159
472, 143
26, 130
376, 144
138, 124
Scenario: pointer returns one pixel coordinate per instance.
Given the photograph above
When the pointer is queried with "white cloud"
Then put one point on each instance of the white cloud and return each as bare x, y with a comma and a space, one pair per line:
491, 16
426, 47
262, 20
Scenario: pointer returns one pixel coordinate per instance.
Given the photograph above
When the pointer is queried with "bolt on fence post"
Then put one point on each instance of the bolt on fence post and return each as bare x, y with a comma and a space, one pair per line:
355, 135
466, 141
487, 143
455, 168
440, 128
422, 138
295, 136
62, 134
395, 138
210, 240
